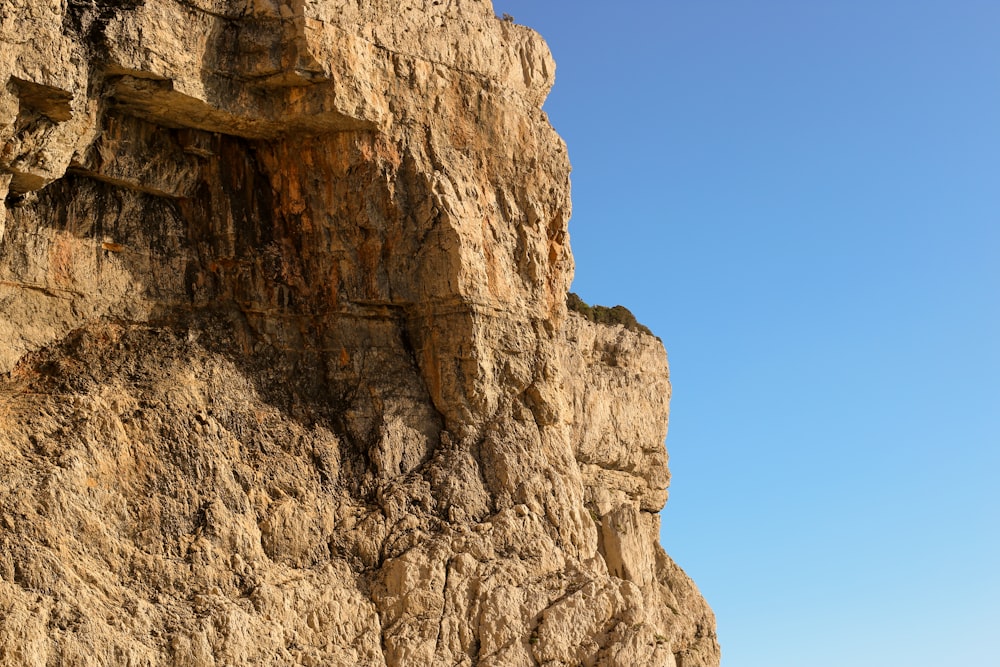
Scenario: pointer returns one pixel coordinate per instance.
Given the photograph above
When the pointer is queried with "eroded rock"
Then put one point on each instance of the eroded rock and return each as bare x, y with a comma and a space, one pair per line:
288, 376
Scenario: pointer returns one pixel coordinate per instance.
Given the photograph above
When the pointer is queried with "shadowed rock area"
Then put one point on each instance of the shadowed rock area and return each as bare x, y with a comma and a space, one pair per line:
287, 375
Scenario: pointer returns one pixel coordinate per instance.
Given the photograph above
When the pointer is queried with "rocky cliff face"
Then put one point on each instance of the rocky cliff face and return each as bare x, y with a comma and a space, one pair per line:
287, 373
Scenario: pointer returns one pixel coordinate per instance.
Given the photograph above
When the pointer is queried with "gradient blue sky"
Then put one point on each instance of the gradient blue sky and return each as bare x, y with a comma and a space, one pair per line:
802, 198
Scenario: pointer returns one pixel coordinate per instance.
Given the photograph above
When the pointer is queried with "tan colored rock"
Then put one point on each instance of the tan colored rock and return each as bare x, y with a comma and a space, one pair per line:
288, 376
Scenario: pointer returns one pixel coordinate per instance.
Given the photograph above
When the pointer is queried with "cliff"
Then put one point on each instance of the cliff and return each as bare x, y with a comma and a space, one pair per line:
286, 371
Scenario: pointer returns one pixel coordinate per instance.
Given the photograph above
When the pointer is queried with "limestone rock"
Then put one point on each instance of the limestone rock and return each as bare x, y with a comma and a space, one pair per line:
287, 372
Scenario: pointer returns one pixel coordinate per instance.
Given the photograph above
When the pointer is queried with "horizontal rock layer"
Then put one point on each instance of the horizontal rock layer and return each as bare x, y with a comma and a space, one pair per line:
288, 376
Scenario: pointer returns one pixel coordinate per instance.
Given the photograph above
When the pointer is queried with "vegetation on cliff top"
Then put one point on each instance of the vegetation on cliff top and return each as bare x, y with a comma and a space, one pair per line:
604, 315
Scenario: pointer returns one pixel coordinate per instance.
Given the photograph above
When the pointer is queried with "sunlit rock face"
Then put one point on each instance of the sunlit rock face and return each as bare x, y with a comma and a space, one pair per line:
286, 371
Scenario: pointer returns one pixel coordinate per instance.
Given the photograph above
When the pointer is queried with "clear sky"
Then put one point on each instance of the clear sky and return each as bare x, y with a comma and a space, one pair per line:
802, 199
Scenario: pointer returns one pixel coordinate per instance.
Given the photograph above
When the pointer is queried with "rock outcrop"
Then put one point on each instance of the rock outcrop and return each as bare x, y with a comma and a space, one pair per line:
287, 372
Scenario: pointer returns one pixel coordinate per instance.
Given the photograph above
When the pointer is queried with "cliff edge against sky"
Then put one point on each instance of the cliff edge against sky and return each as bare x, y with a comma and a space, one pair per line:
286, 371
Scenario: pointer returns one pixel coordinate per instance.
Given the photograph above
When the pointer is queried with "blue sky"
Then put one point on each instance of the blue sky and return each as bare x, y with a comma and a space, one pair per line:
802, 199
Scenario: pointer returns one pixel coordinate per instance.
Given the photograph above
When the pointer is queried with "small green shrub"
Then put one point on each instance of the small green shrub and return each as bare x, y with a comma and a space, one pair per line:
604, 315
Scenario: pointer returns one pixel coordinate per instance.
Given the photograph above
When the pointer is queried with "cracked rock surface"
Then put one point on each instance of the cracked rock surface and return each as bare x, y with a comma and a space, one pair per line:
286, 371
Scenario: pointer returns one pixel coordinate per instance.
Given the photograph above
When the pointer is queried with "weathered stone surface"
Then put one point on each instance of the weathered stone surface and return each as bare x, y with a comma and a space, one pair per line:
288, 376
